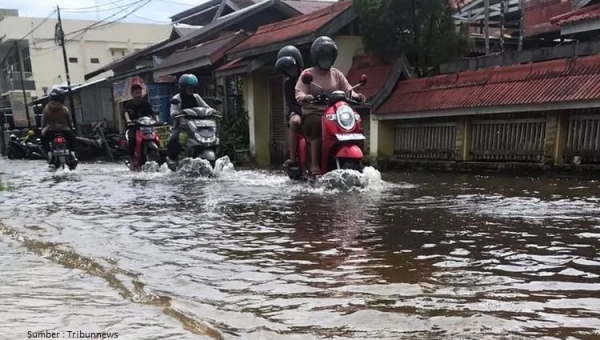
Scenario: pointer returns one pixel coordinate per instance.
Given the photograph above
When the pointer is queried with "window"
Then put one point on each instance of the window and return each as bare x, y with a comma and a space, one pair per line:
95, 61
122, 53
73, 60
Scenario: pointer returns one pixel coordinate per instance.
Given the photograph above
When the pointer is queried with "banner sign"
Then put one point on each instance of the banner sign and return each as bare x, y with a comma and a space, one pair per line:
122, 88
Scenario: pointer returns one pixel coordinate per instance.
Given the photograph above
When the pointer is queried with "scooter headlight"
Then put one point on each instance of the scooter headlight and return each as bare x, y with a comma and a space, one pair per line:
345, 117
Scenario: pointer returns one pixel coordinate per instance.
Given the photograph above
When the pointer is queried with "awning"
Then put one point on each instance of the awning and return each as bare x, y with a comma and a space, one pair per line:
201, 55
240, 66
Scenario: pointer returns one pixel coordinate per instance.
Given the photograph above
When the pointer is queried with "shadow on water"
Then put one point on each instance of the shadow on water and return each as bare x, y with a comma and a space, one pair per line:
252, 255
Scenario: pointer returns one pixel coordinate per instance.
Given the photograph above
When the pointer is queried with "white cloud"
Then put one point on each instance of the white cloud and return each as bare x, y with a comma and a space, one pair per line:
157, 11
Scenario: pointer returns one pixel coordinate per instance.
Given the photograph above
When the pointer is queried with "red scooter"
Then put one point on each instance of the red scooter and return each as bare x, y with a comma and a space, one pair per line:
342, 138
146, 143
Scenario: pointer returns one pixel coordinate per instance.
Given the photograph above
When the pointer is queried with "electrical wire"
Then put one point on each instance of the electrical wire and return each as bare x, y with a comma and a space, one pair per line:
28, 34
96, 25
89, 8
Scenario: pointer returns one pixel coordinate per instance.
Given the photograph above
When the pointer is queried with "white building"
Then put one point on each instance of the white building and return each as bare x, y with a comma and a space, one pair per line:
88, 48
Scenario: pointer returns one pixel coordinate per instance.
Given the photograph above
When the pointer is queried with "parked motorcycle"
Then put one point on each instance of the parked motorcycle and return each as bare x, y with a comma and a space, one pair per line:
342, 141
146, 143
34, 149
17, 148
199, 138
60, 155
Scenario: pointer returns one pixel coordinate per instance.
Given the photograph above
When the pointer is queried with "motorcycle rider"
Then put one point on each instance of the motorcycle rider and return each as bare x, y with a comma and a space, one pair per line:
134, 109
323, 53
56, 118
187, 99
290, 63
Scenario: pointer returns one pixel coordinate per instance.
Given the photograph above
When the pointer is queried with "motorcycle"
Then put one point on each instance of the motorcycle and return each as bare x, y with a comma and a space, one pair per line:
146, 143
342, 138
34, 150
60, 155
16, 148
199, 136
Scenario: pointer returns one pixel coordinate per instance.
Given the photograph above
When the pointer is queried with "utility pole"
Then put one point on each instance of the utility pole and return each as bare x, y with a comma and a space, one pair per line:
486, 27
59, 36
22, 79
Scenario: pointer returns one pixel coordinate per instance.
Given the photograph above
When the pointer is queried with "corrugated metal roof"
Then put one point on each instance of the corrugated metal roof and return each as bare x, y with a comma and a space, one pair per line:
582, 14
377, 72
213, 49
556, 81
221, 23
306, 7
293, 28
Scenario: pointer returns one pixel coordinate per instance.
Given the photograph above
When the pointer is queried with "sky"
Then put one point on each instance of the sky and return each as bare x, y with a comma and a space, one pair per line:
156, 11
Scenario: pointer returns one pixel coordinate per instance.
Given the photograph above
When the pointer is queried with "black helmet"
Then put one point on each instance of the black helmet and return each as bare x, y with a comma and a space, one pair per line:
323, 52
288, 66
57, 95
187, 80
291, 51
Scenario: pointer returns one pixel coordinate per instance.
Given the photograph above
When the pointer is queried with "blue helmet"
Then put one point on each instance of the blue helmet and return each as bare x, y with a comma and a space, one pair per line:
188, 80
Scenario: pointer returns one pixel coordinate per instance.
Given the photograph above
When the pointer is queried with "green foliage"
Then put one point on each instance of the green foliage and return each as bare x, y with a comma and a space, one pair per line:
234, 133
422, 30
5, 187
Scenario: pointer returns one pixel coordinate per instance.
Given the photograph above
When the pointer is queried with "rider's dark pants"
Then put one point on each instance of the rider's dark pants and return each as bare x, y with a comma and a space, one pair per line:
173, 147
49, 136
131, 141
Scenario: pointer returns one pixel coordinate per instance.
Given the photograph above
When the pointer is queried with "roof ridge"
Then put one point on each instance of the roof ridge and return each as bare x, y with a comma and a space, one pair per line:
309, 16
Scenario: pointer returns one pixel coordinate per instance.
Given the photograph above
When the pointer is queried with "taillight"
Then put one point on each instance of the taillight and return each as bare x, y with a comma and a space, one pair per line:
59, 140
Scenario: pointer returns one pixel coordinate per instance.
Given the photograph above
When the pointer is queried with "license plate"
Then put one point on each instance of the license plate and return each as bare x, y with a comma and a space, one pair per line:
61, 152
163, 133
349, 136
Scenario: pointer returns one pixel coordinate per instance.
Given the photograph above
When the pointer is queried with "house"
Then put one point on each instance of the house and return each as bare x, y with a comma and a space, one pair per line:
254, 58
541, 113
199, 50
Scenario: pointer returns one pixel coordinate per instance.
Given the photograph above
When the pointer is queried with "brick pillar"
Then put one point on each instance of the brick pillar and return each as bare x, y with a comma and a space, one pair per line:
562, 135
550, 142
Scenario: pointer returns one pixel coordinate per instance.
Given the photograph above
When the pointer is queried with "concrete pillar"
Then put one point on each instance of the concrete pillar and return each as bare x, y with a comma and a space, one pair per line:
382, 139
561, 136
463, 139
256, 97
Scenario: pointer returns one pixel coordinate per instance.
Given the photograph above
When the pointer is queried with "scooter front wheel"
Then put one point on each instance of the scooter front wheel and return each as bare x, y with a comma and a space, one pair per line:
350, 164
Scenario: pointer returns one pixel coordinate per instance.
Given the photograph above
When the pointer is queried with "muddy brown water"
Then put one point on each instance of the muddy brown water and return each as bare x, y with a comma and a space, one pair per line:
250, 255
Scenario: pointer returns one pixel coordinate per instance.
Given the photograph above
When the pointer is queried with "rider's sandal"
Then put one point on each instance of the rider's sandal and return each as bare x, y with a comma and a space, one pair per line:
289, 164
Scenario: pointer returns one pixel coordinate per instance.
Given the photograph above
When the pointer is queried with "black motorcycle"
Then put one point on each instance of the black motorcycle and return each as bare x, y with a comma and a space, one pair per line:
17, 149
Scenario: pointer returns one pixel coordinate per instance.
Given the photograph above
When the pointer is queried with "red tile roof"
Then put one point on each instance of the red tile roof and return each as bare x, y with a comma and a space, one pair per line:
563, 80
582, 14
296, 27
377, 72
239, 62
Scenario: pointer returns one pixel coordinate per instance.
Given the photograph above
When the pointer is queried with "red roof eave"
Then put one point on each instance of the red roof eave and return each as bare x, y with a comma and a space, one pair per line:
297, 27
582, 14
556, 81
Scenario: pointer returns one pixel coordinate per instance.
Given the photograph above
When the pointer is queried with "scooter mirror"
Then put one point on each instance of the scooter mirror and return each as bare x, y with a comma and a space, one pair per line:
363, 79
307, 78
218, 101
174, 101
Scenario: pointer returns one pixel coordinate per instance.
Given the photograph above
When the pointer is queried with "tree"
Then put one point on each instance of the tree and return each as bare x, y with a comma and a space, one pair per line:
422, 30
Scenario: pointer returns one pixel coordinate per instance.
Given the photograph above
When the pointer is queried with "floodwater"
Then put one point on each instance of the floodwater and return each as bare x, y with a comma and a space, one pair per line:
250, 255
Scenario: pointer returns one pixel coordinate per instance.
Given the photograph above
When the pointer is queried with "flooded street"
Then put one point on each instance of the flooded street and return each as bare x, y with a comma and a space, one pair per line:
250, 255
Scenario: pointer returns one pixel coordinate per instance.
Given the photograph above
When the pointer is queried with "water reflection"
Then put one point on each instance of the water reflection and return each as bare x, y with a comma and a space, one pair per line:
251, 255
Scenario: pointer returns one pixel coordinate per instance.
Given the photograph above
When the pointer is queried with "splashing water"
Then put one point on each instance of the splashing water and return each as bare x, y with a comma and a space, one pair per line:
198, 167
352, 180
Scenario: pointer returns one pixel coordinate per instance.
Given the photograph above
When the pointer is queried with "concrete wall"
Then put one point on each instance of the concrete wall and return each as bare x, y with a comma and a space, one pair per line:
47, 59
563, 137
348, 47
